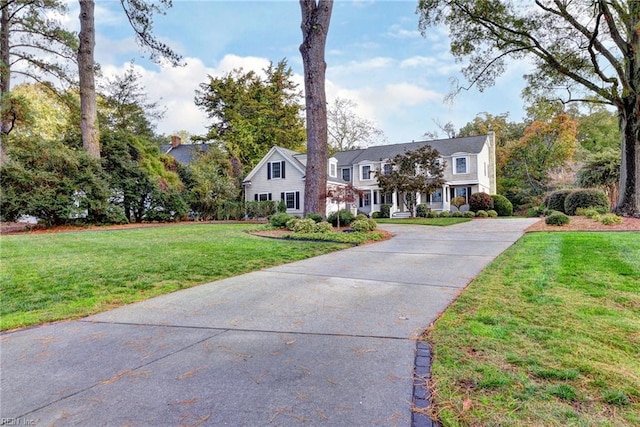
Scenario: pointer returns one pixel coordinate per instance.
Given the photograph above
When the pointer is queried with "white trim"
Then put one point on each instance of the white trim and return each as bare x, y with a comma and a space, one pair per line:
370, 166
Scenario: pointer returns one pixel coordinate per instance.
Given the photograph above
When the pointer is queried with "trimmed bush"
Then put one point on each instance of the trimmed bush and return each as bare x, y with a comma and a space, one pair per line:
291, 224
432, 214
610, 219
458, 214
585, 198
502, 205
469, 214
346, 218
445, 214
480, 201
385, 211
323, 227
376, 214
306, 225
279, 219
314, 216
361, 216
482, 214
588, 212
458, 201
557, 218
492, 213
363, 225
555, 200
422, 210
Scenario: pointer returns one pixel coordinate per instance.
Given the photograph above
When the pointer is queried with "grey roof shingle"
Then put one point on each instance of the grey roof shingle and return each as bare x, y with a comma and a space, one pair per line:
446, 147
184, 153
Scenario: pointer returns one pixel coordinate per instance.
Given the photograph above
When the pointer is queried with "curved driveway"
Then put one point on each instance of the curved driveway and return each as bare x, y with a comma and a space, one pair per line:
325, 341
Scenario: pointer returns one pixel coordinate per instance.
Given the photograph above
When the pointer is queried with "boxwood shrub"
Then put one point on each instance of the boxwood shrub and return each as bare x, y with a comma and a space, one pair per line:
492, 213
385, 211
314, 216
502, 205
469, 214
482, 214
422, 211
555, 200
557, 218
323, 227
346, 218
585, 198
480, 202
279, 219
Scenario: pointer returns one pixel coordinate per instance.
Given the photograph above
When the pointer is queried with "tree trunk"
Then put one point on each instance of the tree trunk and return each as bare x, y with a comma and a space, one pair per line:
316, 15
629, 200
5, 77
86, 74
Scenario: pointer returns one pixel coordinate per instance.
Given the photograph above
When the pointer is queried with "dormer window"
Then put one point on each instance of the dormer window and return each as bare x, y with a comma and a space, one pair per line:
365, 173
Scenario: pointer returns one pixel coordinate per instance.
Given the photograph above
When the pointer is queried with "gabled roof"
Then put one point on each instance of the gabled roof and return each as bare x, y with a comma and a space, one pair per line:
185, 154
446, 147
293, 158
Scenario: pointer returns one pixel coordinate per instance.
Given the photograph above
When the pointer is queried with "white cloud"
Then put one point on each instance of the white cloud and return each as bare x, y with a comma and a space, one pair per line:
398, 32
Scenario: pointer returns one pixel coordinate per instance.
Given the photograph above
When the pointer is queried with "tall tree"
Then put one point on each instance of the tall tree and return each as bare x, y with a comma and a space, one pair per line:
140, 15
86, 74
583, 51
316, 16
34, 45
347, 130
250, 114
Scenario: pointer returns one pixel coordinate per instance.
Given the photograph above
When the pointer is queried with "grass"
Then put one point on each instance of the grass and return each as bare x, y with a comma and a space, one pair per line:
48, 277
548, 334
423, 221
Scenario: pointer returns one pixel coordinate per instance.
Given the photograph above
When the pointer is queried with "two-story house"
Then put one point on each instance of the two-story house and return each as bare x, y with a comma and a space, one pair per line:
469, 168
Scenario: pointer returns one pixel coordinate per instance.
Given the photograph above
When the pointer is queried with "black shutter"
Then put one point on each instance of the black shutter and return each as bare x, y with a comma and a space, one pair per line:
255, 197
375, 197
268, 170
269, 196
297, 200
282, 196
282, 170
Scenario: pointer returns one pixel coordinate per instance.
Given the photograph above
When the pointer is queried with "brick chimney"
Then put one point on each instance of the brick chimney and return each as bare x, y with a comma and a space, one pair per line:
175, 141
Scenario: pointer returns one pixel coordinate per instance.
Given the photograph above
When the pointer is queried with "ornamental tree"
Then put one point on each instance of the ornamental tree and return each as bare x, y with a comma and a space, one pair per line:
419, 171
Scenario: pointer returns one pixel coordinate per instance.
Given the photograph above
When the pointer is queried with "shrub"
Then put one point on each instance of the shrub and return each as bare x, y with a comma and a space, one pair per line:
432, 214
323, 227
361, 216
422, 210
458, 201
588, 212
291, 224
502, 205
492, 213
262, 209
557, 218
585, 198
610, 219
445, 214
314, 216
306, 225
376, 214
480, 201
282, 206
482, 214
469, 214
555, 200
385, 211
362, 225
279, 219
458, 214
346, 218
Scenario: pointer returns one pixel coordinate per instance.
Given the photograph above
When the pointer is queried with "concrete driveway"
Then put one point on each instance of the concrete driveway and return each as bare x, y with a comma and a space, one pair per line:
325, 341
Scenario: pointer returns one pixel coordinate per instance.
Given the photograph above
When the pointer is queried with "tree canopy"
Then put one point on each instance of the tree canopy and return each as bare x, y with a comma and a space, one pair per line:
583, 50
249, 114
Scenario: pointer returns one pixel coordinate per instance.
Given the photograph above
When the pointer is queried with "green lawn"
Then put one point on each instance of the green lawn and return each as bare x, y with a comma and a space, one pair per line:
422, 221
547, 335
47, 277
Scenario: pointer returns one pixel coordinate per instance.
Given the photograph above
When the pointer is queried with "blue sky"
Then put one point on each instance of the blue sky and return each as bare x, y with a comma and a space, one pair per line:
375, 56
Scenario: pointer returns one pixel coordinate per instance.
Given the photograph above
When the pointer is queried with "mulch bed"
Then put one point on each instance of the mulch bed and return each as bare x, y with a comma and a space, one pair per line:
580, 223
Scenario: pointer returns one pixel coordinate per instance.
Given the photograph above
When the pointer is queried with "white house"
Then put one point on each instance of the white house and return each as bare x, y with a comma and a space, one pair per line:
469, 168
